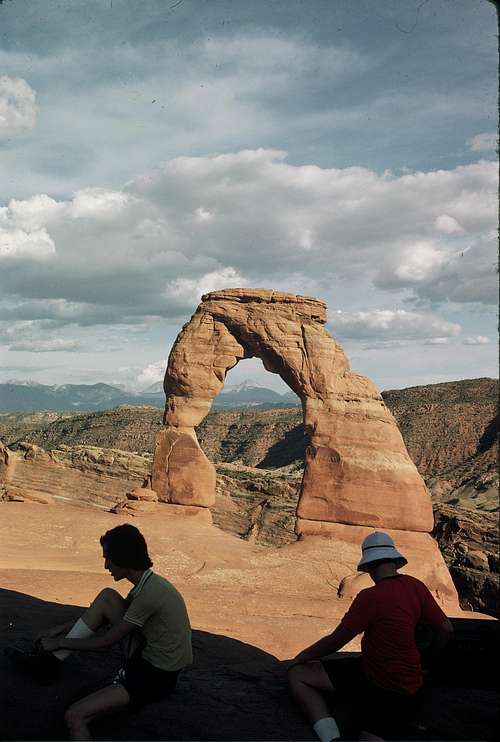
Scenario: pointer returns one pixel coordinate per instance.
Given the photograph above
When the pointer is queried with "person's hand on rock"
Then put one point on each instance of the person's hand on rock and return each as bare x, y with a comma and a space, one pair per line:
49, 644
44, 633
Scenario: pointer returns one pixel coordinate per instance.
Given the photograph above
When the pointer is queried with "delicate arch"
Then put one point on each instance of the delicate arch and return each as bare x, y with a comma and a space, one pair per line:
357, 469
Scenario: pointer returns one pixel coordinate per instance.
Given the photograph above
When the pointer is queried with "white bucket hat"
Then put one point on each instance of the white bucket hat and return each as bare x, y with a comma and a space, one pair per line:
377, 546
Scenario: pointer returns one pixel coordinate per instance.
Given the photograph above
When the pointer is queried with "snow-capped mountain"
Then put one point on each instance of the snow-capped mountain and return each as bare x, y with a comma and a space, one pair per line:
251, 393
23, 382
244, 386
23, 396
247, 393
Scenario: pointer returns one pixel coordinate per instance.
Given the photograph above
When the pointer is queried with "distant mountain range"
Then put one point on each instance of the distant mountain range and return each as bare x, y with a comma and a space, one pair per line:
249, 394
26, 396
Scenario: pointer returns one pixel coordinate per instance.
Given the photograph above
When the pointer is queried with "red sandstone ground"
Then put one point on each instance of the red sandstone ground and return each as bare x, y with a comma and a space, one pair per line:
231, 586
249, 607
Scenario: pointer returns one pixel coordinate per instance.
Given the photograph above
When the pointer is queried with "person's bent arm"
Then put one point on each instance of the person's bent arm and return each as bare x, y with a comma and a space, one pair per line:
327, 645
114, 635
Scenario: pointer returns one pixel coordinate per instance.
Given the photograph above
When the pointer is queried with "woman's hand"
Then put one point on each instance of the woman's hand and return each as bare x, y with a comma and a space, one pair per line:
49, 644
48, 633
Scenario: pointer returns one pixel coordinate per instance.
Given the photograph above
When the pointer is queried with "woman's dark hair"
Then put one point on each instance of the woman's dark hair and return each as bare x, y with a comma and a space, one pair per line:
126, 547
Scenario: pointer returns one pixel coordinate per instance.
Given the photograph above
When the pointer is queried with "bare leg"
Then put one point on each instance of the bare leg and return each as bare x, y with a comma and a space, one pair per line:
81, 713
107, 608
309, 683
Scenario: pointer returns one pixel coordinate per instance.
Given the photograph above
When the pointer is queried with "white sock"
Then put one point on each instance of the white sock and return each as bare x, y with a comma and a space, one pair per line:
327, 729
79, 630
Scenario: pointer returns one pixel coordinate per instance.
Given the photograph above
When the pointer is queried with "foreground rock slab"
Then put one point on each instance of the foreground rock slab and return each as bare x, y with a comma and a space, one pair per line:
251, 608
233, 691
232, 587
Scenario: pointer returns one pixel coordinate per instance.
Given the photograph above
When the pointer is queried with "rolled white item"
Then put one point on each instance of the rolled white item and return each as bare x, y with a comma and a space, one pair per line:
327, 729
79, 630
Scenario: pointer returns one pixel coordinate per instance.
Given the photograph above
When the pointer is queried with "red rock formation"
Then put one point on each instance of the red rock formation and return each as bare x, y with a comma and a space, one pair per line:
357, 468
92, 476
358, 474
424, 558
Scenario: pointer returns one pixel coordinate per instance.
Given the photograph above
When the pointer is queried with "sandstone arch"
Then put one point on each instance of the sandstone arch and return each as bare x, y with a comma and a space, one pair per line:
357, 469
358, 474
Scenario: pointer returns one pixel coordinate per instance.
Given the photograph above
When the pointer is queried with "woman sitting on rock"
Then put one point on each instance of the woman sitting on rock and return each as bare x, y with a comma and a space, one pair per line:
154, 619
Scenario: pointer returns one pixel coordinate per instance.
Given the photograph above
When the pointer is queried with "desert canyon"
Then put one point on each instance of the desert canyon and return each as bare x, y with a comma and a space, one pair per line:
262, 580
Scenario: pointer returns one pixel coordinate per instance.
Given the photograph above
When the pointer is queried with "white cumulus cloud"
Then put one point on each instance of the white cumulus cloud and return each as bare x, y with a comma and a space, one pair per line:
203, 215
477, 340
16, 243
418, 262
391, 324
97, 202
487, 141
151, 374
191, 290
47, 346
31, 213
448, 225
249, 218
18, 110
437, 341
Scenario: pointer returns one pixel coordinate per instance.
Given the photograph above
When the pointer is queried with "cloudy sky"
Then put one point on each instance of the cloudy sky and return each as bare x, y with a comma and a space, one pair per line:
153, 151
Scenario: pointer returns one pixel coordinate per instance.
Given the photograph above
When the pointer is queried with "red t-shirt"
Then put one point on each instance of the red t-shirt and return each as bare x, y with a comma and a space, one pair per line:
388, 613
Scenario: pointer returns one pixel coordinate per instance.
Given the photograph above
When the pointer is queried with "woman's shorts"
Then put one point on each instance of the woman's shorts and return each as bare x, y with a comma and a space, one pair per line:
144, 682
383, 712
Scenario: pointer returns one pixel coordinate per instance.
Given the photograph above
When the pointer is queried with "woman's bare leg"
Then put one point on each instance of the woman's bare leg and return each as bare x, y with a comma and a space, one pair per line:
107, 608
80, 714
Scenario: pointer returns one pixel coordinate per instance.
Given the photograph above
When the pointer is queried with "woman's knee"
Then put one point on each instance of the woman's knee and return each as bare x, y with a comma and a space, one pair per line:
304, 669
73, 717
299, 673
109, 595
293, 678
311, 674
111, 601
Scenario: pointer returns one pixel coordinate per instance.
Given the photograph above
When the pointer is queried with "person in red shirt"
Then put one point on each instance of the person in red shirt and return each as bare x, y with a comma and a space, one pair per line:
386, 681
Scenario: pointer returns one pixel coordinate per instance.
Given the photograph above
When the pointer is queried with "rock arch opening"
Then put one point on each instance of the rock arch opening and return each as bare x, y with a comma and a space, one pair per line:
248, 384
254, 422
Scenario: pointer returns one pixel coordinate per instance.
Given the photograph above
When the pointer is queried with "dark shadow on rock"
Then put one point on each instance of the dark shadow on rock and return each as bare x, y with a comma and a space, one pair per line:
233, 691
489, 436
290, 449
470, 658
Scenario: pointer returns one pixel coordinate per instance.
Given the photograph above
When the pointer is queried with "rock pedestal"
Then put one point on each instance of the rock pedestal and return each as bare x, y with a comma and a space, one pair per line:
139, 501
181, 473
